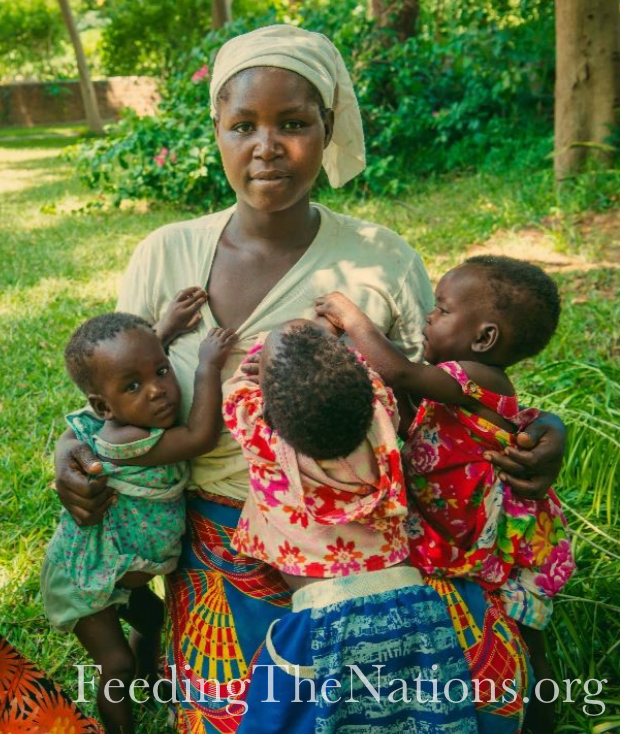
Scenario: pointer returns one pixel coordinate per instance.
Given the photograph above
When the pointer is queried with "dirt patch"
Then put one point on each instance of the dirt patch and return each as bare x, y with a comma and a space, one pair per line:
596, 236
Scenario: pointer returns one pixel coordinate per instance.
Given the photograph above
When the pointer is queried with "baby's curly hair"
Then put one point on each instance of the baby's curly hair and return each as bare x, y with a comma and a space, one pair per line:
527, 297
84, 341
317, 394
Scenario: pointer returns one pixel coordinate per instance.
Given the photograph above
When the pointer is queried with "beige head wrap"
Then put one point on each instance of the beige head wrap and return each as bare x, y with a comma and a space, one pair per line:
314, 57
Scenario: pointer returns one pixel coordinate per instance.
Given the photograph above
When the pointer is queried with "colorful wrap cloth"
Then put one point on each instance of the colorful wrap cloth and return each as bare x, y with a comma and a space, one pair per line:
32, 703
222, 605
141, 531
466, 522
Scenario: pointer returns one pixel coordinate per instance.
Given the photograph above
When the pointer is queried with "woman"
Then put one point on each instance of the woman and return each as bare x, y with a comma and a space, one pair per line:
282, 105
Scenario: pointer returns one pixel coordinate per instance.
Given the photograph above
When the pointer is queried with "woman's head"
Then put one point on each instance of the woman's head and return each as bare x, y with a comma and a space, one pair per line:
317, 394
272, 130
119, 363
273, 74
491, 309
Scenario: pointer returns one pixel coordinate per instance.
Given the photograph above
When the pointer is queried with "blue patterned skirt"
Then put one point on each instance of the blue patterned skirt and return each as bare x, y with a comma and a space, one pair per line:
365, 653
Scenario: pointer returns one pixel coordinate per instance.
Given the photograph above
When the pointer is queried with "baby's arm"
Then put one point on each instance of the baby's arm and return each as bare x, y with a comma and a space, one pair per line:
182, 315
418, 380
205, 419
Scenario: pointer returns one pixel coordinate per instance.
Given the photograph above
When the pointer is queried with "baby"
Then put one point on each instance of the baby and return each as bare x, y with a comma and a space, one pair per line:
327, 507
490, 313
93, 577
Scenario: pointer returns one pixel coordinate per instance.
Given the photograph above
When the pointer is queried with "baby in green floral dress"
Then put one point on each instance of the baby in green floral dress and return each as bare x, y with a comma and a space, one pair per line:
94, 576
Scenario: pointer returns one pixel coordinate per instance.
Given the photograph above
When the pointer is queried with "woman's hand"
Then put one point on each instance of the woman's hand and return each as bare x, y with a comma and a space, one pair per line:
532, 467
182, 315
80, 484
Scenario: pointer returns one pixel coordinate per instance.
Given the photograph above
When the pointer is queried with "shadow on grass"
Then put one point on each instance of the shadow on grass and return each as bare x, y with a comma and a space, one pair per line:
41, 142
72, 247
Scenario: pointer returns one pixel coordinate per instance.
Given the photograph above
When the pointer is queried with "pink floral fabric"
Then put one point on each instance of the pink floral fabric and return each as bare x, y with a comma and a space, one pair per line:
319, 518
466, 522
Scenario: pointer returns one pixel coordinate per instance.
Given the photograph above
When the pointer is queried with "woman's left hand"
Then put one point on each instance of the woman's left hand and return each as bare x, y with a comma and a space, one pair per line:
532, 467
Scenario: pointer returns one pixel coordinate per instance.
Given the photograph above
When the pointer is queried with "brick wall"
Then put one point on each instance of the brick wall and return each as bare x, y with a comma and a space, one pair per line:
34, 103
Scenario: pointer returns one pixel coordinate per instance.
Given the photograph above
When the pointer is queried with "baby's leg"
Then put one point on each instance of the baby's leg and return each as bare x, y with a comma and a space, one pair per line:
540, 717
145, 614
102, 636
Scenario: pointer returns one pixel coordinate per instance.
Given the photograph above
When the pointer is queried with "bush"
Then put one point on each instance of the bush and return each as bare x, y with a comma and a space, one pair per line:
444, 99
31, 33
474, 78
152, 37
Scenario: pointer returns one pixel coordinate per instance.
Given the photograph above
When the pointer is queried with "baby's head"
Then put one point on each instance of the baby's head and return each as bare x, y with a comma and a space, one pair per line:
317, 394
491, 309
119, 363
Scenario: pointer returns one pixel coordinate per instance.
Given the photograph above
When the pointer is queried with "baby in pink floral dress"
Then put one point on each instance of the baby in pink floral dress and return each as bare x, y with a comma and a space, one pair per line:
308, 487
490, 313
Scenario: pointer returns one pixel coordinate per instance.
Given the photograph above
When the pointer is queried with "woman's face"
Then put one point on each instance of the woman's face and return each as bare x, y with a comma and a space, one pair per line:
271, 135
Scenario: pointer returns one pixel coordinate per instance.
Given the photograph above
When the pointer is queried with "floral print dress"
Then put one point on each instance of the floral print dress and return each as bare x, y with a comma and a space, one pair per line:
141, 531
466, 522
320, 518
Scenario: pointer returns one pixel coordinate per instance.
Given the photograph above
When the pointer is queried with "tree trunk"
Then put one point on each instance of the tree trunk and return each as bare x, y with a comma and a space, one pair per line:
221, 12
86, 86
587, 85
398, 15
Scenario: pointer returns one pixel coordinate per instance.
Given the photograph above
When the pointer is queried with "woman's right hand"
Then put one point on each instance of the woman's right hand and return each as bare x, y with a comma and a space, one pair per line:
81, 486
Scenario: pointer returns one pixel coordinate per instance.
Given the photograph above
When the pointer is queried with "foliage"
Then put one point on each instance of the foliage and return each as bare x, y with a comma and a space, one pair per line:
31, 32
438, 101
149, 36
143, 37
62, 261
34, 43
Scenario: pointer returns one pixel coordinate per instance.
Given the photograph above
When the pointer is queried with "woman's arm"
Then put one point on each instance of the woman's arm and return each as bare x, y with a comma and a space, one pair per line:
81, 486
533, 467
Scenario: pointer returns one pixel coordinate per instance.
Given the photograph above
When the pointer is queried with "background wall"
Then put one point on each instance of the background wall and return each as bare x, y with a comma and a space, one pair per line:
41, 103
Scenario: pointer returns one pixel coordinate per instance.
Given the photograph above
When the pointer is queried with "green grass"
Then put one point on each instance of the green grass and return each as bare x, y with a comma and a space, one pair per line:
59, 129
43, 136
63, 249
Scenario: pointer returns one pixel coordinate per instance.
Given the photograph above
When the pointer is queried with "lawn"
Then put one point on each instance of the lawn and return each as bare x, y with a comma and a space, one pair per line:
63, 249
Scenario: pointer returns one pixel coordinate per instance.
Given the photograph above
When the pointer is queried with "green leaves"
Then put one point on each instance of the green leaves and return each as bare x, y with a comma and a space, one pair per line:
437, 101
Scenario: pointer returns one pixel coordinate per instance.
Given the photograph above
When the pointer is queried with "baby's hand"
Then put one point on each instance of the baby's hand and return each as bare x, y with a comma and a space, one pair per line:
326, 324
338, 309
250, 367
182, 315
216, 346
